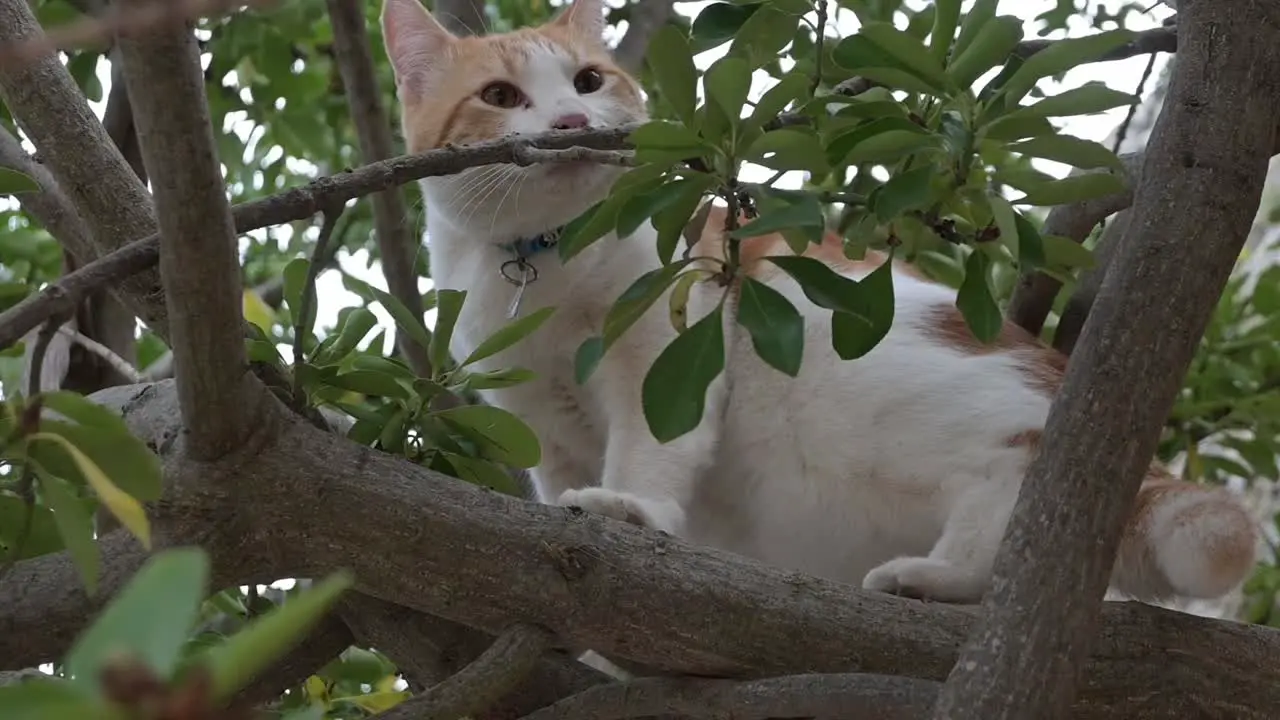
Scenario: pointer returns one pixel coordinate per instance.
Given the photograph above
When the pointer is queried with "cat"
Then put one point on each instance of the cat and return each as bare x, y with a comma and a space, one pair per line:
897, 471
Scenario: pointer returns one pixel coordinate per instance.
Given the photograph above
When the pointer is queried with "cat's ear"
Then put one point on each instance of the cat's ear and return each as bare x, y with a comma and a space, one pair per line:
585, 18
416, 43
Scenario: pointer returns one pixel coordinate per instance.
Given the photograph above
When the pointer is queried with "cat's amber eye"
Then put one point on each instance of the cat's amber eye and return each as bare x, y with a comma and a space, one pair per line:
588, 80
502, 94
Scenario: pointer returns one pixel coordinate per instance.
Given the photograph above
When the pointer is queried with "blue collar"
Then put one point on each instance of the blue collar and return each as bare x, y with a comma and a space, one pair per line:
526, 247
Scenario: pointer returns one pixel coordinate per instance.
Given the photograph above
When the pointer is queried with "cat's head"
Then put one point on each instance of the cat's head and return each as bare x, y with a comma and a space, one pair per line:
464, 90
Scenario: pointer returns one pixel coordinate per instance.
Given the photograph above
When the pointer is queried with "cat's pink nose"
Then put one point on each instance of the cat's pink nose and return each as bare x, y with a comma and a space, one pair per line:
570, 121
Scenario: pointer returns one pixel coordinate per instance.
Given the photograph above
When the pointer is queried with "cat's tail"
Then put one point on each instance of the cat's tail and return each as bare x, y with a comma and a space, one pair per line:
1184, 540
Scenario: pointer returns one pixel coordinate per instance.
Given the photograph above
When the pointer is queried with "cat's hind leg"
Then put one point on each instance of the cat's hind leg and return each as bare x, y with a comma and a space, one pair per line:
958, 569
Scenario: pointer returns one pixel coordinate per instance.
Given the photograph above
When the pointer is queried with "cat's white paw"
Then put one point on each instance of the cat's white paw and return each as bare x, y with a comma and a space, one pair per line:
926, 579
662, 515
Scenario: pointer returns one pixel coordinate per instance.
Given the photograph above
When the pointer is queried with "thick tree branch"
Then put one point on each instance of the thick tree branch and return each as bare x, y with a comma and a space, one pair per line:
75, 148
1201, 184
301, 203
646, 17
303, 501
497, 671
847, 696
1033, 297
198, 261
397, 243
50, 206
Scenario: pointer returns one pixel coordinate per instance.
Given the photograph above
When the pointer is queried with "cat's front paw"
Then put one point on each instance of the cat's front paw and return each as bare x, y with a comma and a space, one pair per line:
662, 515
925, 579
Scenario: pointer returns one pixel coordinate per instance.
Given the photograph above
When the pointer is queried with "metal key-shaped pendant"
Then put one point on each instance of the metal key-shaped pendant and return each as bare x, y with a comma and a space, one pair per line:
519, 273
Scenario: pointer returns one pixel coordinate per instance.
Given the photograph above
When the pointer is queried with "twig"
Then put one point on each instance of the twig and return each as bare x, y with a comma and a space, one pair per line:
496, 672
533, 156
109, 356
1155, 40
849, 696
302, 322
646, 17
299, 204
1123, 130
818, 51
199, 265
397, 244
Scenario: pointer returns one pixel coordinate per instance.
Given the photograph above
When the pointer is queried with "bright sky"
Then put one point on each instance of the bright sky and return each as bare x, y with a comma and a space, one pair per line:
1122, 75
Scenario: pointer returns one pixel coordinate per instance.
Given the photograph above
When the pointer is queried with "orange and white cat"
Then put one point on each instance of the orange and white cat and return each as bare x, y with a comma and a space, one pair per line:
897, 471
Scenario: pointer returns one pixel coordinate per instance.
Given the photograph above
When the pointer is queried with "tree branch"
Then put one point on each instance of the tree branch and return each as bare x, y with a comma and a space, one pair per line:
75, 148
50, 206
397, 243
1145, 42
495, 673
1033, 297
1202, 180
303, 202
1088, 284
646, 17
198, 261
848, 696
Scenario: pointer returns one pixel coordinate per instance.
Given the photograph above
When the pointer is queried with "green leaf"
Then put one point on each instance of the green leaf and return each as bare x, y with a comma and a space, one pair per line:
503, 437
823, 286
840, 145
1061, 56
53, 699
788, 88
408, 324
856, 334
979, 308
1030, 245
726, 84
13, 182
907, 51
86, 412
236, 662
75, 527
865, 54
602, 218
776, 327
909, 190
483, 473
890, 147
671, 221
295, 279
974, 21
1071, 189
1003, 214
119, 503
497, 379
1014, 127
148, 619
788, 149
644, 206
370, 382
449, 304
671, 60
763, 35
509, 334
674, 391
587, 358
719, 22
632, 304
1078, 152
805, 211
355, 327
946, 16
992, 44
1087, 99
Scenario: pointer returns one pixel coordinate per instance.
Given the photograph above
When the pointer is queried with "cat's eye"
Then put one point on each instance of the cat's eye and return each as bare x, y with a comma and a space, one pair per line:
588, 80
502, 94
